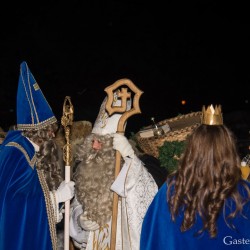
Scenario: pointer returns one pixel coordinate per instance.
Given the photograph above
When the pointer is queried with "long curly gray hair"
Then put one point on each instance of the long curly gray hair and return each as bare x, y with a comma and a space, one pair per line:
94, 176
48, 157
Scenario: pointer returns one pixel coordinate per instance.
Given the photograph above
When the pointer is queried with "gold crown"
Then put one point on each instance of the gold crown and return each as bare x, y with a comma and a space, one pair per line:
211, 115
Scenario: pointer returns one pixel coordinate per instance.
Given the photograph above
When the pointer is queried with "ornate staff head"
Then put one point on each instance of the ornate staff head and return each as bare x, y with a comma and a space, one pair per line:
67, 121
124, 96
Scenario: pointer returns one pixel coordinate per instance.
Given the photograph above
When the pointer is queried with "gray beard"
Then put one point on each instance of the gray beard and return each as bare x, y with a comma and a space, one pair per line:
93, 177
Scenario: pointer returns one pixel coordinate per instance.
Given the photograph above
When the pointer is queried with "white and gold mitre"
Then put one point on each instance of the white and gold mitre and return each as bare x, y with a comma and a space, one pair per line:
211, 115
105, 123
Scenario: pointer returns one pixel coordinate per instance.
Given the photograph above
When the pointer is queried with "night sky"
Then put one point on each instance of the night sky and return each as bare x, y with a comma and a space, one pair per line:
196, 51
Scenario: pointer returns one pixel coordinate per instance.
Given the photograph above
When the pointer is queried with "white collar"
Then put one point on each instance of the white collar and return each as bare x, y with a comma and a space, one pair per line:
37, 148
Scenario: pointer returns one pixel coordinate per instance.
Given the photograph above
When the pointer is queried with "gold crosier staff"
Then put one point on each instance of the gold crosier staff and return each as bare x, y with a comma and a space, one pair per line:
67, 121
124, 95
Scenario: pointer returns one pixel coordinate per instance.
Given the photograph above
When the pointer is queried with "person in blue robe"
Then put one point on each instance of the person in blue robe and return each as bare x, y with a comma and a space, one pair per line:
29, 211
205, 203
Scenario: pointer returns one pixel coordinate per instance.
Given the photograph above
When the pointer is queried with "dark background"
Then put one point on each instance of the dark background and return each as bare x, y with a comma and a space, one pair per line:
196, 51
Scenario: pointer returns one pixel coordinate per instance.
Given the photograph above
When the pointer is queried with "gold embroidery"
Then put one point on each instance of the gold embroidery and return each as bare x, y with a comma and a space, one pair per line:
49, 208
99, 239
54, 198
37, 126
30, 161
36, 86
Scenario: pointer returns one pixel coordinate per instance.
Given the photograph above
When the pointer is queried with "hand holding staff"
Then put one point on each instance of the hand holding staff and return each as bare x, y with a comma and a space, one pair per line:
124, 95
67, 121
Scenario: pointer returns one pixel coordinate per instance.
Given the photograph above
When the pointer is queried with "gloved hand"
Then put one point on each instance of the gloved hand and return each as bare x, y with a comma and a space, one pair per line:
121, 143
65, 191
86, 224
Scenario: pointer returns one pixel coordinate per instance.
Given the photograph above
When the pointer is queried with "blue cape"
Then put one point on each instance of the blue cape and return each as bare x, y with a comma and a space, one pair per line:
159, 232
24, 223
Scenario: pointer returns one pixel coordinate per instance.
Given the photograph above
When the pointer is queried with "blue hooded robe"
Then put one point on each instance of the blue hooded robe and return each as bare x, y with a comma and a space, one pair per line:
26, 215
159, 232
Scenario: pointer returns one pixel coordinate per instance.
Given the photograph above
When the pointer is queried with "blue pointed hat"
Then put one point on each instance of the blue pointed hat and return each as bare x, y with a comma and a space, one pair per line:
33, 110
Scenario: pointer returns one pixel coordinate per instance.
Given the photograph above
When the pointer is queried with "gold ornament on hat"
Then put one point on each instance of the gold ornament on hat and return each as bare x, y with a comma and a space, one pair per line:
211, 115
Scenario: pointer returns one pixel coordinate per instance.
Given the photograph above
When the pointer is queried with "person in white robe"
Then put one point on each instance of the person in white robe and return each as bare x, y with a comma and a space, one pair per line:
95, 184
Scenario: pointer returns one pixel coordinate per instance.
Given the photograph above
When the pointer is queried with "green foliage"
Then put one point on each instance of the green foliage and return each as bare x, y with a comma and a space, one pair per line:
169, 154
